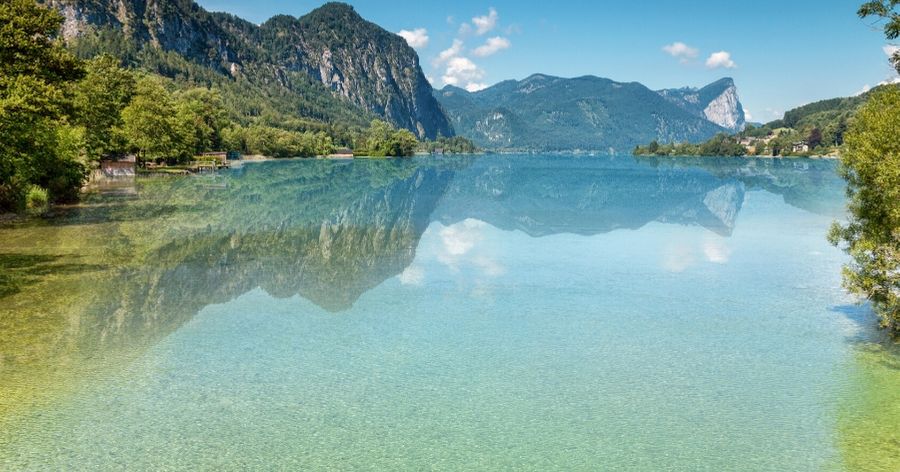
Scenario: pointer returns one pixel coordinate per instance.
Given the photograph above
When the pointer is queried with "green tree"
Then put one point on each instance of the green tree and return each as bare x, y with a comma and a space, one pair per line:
202, 117
151, 126
815, 138
99, 100
721, 145
381, 139
888, 12
34, 70
759, 148
402, 143
839, 131
374, 141
871, 165
234, 138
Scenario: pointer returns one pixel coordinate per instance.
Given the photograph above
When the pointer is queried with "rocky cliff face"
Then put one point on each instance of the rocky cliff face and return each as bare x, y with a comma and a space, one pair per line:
718, 102
725, 110
171, 25
355, 60
359, 61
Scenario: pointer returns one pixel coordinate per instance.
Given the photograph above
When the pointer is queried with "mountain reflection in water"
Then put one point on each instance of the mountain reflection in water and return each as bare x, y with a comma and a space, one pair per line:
329, 232
132, 265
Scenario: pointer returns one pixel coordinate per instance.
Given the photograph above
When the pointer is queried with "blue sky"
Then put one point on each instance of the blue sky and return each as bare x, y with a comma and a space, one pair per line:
780, 53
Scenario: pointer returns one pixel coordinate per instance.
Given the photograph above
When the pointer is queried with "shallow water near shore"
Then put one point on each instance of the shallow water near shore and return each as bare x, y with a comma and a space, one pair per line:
517, 312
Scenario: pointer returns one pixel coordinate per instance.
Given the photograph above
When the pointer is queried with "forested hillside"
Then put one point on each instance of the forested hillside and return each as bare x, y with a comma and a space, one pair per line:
331, 67
815, 129
556, 114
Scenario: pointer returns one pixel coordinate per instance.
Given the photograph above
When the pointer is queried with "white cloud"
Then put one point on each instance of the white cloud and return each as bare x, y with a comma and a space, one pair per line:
486, 23
492, 46
461, 70
721, 59
417, 38
890, 49
747, 115
449, 53
681, 51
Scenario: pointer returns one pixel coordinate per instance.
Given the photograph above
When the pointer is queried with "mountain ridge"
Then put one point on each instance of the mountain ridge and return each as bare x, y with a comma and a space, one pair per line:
356, 61
548, 113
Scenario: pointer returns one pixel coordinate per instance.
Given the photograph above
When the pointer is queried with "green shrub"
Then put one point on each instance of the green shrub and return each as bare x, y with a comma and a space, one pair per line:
37, 200
871, 165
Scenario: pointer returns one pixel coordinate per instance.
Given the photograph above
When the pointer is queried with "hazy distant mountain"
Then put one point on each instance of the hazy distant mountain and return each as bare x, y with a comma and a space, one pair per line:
585, 113
330, 65
717, 102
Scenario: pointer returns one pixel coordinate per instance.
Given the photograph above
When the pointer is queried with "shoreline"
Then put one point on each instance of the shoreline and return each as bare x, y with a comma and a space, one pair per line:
826, 158
112, 183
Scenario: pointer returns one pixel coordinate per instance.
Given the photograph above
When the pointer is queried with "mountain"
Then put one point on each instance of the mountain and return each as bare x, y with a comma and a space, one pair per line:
814, 129
330, 65
717, 102
585, 113
360, 61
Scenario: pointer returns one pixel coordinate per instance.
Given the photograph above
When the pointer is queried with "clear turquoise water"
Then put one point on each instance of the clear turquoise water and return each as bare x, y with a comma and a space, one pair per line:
514, 312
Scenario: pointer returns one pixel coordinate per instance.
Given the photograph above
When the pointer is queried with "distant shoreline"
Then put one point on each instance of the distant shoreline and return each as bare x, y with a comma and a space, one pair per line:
826, 157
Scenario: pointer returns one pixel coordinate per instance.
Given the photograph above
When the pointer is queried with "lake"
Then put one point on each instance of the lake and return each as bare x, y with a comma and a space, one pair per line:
491, 312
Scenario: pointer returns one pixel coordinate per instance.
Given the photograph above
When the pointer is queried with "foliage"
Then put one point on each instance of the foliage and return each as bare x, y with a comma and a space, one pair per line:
275, 142
382, 139
871, 166
98, 101
720, 145
886, 10
821, 113
454, 145
151, 126
160, 124
201, 116
34, 73
293, 102
36, 199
